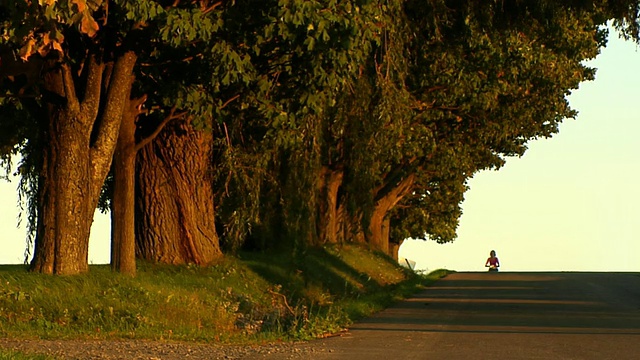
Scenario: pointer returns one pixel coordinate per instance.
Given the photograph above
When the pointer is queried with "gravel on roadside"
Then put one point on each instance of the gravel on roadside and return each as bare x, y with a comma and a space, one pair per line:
154, 350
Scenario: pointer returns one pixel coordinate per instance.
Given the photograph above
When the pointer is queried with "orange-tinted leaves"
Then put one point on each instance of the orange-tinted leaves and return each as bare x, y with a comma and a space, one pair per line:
28, 49
88, 25
80, 4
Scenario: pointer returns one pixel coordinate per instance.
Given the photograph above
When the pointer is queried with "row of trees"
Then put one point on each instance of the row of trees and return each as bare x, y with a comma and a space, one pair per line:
206, 125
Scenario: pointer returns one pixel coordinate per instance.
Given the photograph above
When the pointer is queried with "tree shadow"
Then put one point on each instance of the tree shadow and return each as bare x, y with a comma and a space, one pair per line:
518, 302
317, 268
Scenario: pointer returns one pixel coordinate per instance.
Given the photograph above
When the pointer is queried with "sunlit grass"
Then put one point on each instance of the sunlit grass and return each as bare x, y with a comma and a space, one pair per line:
254, 297
14, 355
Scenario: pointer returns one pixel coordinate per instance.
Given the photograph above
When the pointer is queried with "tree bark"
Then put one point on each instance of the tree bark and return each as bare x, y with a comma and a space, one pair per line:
329, 214
123, 258
351, 227
377, 235
394, 248
174, 207
81, 138
61, 245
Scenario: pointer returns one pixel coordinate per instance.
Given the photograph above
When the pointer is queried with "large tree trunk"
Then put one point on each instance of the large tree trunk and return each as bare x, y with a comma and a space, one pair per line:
329, 222
64, 209
394, 248
174, 207
377, 235
81, 138
123, 258
351, 227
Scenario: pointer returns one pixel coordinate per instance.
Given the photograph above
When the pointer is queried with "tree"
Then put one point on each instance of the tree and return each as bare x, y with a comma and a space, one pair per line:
496, 79
269, 72
305, 54
83, 101
366, 117
175, 207
85, 87
458, 88
169, 127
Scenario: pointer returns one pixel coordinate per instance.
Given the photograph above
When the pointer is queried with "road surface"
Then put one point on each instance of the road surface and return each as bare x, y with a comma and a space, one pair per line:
501, 316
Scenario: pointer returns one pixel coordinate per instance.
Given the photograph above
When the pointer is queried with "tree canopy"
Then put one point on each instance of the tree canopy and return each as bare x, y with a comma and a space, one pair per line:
327, 121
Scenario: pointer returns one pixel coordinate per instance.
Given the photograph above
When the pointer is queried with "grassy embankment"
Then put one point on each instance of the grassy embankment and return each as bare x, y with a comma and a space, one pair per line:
250, 298
14, 355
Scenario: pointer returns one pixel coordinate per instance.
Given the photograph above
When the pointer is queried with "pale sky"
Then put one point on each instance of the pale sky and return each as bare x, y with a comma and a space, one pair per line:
572, 203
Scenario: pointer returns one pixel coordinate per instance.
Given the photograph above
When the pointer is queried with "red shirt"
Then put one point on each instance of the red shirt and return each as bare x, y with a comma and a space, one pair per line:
493, 261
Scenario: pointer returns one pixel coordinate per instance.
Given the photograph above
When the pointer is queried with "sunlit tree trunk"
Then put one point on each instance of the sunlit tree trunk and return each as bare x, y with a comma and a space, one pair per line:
174, 208
377, 235
394, 245
64, 210
81, 138
329, 213
123, 257
394, 248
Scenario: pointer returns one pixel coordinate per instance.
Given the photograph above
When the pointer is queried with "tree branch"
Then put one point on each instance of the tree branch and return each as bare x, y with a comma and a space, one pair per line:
188, 58
399, 191
393, 176
172, 116
91, 103
69, 89
229, 101
137, 103
284, 298
117, 96
211, 8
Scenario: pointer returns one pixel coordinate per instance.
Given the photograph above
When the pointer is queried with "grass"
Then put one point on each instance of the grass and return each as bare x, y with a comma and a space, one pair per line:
245, 299
15, 355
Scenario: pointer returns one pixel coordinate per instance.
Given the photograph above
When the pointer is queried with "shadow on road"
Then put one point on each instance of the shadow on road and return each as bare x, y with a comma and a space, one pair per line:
558, 303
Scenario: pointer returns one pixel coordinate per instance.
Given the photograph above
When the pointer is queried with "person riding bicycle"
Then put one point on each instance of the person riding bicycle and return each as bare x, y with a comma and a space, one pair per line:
492, 262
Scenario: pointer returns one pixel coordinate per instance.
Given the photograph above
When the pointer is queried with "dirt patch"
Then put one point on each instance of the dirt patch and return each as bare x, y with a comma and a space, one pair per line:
151, 350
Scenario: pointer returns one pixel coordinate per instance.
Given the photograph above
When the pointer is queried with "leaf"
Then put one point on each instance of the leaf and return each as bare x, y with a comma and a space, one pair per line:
80, 4
48, 43
56, 35
27, 50
56, 46
88, 25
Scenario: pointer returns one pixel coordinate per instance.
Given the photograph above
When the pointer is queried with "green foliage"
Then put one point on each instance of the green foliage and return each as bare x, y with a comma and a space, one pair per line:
382, 91
434, 89
304, 54
478, 84
183, 60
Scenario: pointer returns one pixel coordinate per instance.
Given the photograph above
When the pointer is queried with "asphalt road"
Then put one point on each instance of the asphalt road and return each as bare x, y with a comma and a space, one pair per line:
501, 316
